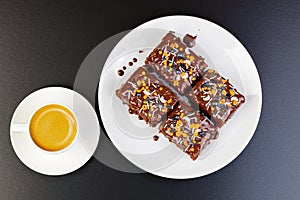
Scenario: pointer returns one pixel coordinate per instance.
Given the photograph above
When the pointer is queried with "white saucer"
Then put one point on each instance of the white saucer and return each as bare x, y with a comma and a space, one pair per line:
81, 150
133, 138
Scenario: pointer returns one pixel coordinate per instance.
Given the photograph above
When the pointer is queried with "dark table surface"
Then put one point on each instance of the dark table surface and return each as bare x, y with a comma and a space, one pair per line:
44, 43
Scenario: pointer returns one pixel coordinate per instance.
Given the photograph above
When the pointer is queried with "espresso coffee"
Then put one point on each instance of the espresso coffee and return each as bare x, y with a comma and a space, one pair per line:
53, 127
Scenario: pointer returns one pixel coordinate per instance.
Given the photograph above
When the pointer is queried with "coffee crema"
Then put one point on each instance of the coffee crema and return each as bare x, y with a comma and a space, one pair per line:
53, 127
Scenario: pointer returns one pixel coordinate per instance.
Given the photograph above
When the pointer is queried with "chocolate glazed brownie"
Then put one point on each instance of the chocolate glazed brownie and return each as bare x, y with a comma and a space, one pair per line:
215, 95
146, 96
186, 127
176, 63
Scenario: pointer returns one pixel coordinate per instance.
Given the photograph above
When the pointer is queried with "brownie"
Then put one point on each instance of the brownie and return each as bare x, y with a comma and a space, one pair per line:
216, 96
146, 96
176, 63
189, 129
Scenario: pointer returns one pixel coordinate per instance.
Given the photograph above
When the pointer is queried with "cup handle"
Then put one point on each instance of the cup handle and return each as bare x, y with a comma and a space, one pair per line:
19, 128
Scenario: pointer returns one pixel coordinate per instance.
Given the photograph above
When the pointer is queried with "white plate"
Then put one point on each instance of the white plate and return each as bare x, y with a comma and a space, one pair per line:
79, 152
133, 138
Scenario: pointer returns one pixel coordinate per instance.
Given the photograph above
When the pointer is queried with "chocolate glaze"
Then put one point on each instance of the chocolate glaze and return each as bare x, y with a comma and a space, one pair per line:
120, 72
216, 96
189, 40
188, 129
177, 65
146, 96
155, 137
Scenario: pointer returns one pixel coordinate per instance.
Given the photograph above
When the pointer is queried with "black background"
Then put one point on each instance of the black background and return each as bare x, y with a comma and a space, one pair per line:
43, 44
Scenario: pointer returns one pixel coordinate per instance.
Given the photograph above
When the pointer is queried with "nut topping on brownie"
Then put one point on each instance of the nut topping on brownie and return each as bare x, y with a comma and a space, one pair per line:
176, 64
188, 129
146, 96
216, 96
